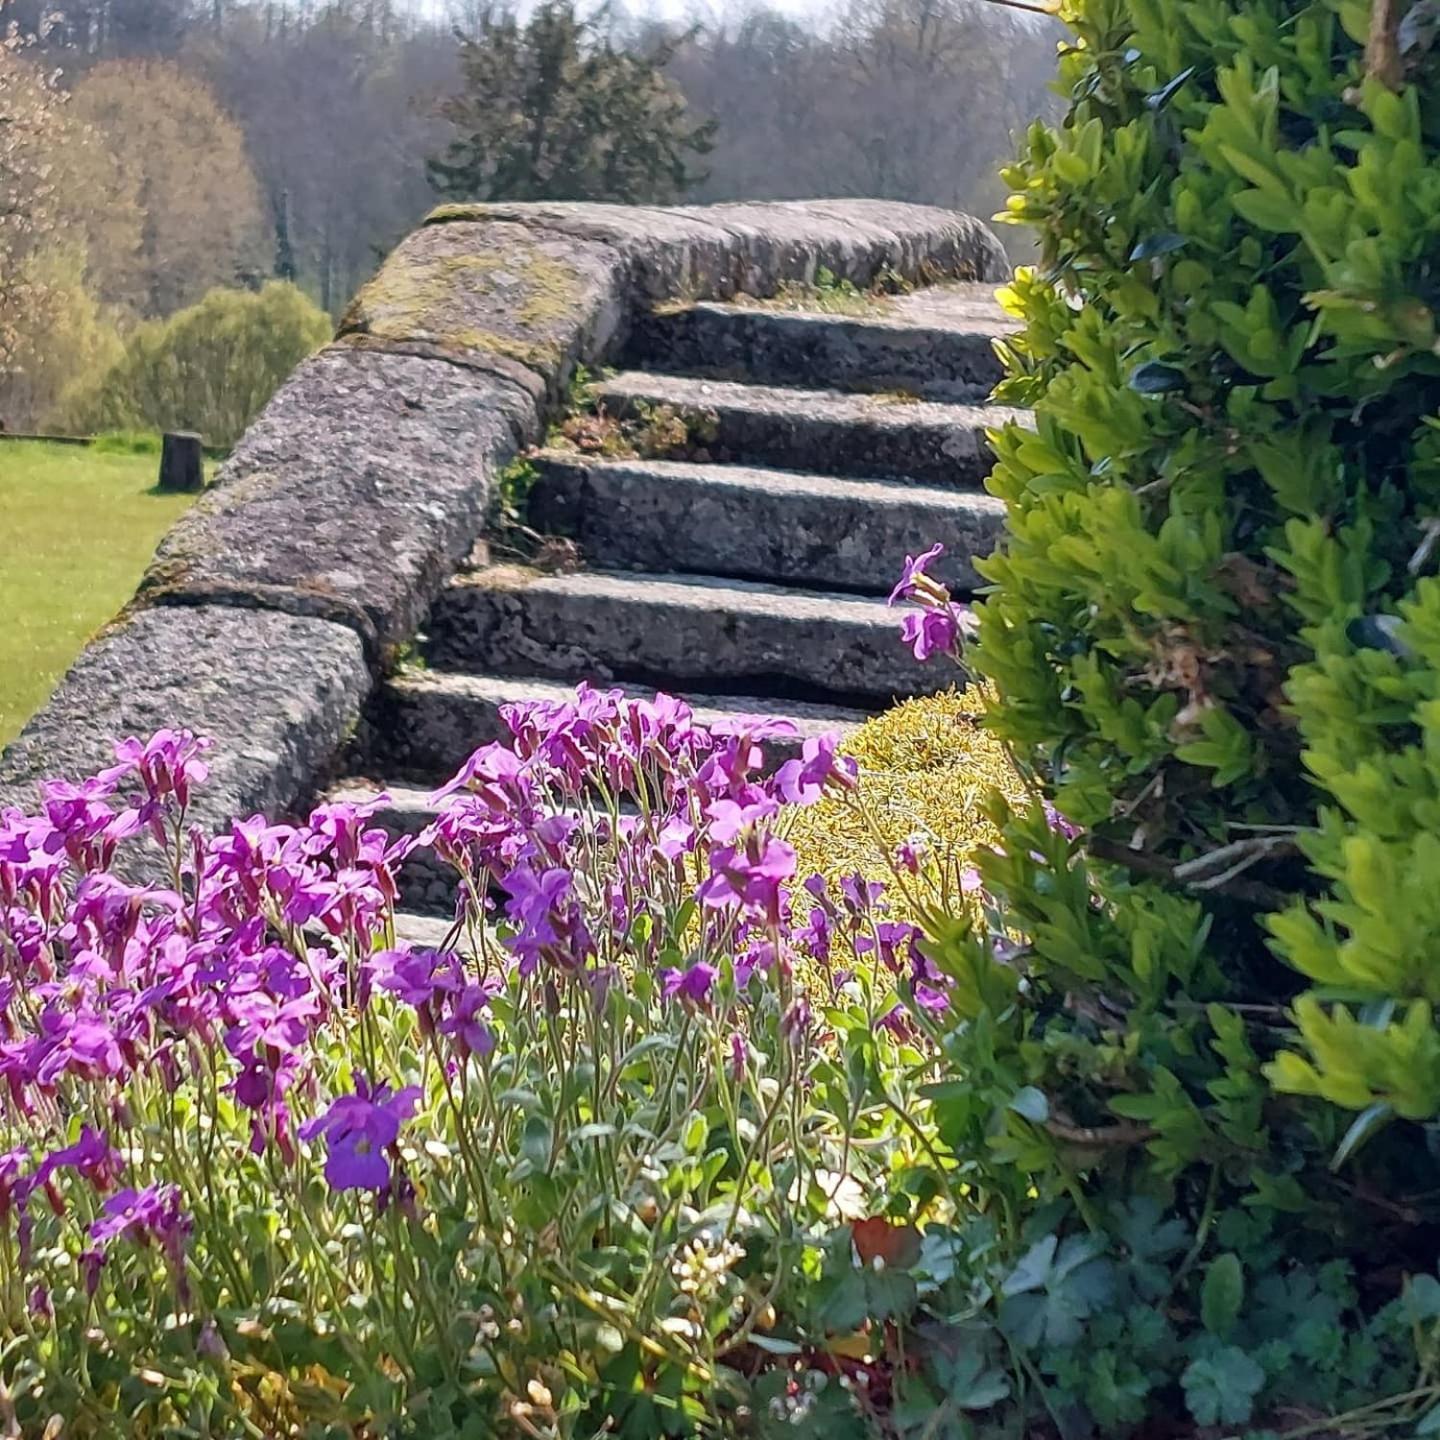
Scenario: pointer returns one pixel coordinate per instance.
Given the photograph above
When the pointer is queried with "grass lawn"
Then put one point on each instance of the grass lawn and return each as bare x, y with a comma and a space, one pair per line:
77, 527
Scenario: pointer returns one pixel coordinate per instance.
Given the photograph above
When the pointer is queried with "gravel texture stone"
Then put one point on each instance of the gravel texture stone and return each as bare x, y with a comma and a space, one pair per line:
423, 724
353, 497
950, 358
677, 631
824, 431
715, 251
277, 693
758, 524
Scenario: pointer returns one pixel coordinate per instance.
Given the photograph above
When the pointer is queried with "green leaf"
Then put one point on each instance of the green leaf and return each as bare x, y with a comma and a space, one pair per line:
1267, 211
536, 1141
1164, 243
1032, 1104
1368, 1123
773, 1346
697, 1130
1422, 1299
1429, 1422
1156, 378
1222, 1294
971, 1383
1034, 1268
1220, 1389
595, 1130
1159, 99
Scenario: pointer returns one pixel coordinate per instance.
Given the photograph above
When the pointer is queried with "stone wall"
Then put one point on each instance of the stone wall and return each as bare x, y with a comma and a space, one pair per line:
274, 603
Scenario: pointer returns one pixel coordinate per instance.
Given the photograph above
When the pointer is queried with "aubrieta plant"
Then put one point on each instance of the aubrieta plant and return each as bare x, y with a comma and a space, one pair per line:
267, 1170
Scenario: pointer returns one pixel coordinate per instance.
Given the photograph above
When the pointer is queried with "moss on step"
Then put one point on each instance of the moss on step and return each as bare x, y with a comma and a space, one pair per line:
531, 300
926, 767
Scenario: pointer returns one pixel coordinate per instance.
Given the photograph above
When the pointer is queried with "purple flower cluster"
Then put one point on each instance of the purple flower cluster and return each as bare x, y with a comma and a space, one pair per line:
108, 983
607, 816
939, 626
610, 836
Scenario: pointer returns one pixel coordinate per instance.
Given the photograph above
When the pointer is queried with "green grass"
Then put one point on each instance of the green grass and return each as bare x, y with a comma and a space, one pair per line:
79, 526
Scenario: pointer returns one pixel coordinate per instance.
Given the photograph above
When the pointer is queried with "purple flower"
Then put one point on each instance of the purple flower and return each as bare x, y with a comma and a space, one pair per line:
751, 876
676, 838
892, 942
692, 984
91, 1155
359, 1129
463, 1024
859, 893
739, 1056
168, 763
728, 818
913, 577
934, 632
548, 919
418, 977
795, 1023
15, 1185
803, 781
151, 1214
492, 772
927, 997
1057, 822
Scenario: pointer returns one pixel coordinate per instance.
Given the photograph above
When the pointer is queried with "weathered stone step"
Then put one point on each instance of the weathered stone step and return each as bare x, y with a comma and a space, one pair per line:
865, 436
679, 632
425, 932
757, 524
425, 723
946, 352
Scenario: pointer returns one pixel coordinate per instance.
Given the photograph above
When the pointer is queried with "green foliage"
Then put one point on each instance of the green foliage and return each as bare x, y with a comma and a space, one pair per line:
61, 335
552, 110
210, 368
1196, 1045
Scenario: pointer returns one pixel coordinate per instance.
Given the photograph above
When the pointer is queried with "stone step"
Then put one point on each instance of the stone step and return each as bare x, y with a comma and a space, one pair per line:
680, 632
425, 932
864, 436
425, 723
937, 347
755, 524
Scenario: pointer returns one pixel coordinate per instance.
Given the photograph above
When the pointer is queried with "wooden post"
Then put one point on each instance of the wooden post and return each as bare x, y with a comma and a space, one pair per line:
182, 463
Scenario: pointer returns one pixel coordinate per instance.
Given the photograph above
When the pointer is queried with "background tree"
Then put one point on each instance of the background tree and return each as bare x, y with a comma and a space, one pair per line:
339, 119
158, 139
554, 109
210, 367
30, 120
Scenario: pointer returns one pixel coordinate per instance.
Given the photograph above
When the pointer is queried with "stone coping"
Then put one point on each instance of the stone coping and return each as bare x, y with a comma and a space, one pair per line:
274, 602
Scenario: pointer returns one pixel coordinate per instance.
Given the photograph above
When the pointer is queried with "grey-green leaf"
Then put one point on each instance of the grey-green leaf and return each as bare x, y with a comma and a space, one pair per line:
1222, 1294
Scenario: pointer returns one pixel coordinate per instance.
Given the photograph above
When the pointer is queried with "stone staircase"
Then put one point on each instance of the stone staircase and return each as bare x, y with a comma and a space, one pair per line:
747, 569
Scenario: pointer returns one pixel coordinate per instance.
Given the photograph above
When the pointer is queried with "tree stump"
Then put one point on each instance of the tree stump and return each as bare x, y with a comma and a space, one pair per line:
182, 463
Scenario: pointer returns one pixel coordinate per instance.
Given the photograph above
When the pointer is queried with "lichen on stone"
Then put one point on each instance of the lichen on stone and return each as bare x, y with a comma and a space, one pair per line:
402, 300
510, 300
